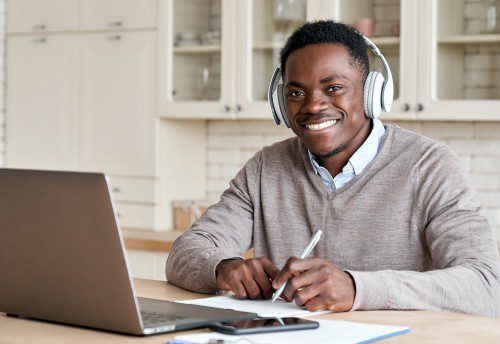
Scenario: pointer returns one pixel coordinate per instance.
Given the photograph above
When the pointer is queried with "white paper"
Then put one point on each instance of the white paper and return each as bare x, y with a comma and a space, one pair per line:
329, 331
264, 308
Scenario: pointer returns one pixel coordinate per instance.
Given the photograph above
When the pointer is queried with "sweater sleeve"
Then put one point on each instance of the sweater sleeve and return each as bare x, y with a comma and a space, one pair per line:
223, 232
465, 277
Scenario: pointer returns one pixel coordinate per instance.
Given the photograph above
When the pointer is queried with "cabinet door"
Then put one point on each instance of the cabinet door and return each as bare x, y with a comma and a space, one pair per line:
46, 15
117, 89
196, 58
262, 29
459, 60
41, 102
117, 14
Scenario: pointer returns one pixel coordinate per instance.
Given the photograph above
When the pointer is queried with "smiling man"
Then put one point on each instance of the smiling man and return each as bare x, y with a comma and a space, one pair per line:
402, 226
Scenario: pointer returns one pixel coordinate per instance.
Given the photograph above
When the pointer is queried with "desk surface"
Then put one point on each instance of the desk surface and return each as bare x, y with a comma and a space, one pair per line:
425, 326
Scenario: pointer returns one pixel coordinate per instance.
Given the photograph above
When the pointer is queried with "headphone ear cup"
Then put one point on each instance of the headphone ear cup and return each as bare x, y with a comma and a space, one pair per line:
372, 97
281, 105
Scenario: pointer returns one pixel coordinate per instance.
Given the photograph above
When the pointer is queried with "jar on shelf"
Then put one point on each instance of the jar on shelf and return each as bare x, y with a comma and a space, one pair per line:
490, 16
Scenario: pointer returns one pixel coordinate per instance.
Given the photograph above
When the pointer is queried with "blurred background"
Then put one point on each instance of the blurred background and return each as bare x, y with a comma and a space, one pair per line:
168, 97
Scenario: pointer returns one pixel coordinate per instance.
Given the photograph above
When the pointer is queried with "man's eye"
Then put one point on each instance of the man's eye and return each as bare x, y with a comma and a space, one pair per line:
295, 94
334, 88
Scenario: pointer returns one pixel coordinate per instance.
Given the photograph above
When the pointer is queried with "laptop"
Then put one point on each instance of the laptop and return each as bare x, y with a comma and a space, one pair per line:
62, 259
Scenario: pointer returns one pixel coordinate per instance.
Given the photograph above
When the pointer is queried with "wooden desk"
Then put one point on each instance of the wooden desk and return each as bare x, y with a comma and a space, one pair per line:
426, 327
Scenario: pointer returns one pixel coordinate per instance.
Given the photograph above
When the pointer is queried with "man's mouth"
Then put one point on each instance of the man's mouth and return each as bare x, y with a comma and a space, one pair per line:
322, 125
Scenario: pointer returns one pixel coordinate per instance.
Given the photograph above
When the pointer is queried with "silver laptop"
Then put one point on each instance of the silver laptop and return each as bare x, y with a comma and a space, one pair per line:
62, 258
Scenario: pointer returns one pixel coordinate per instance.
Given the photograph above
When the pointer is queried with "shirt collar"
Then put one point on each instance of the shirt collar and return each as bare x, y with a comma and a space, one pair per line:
365, 154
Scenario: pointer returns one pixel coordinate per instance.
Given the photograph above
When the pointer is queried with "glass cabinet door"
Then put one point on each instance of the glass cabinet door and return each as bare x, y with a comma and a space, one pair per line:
264, 26
197, 49
460, 59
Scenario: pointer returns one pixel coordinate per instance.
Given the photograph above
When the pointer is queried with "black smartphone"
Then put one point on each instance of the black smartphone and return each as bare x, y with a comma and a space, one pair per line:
263, 325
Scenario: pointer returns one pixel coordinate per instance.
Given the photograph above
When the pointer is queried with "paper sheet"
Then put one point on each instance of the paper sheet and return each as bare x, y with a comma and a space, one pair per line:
329, 331
264, 308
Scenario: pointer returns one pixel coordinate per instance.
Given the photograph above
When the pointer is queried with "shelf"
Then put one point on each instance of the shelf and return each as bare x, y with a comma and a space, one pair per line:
382, 41
474, 39
197, 49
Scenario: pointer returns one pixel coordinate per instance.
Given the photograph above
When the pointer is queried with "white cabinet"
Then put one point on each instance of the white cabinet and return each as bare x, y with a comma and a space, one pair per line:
86, 100
41, 99
459, 61
113, 14
147, 264
117, 103
40, 16
444, 67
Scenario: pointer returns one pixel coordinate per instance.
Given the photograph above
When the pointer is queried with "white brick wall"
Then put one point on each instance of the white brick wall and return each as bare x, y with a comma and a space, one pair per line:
230, 144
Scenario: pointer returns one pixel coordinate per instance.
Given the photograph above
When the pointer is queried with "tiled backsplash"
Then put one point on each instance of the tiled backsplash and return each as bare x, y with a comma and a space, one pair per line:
230, 144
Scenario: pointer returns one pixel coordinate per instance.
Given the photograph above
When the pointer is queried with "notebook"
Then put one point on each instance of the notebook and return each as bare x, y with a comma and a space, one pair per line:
264, 308
329, 331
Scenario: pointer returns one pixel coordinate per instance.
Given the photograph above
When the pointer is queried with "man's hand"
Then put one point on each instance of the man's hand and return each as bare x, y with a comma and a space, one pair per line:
247, 278
316, 284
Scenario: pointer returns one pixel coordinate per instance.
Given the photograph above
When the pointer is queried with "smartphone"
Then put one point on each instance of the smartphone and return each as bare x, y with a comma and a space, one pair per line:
263, 325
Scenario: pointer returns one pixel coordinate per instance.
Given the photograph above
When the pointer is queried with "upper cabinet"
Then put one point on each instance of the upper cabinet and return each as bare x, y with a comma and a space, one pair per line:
443, 54
112, 14
459, 59
40, 16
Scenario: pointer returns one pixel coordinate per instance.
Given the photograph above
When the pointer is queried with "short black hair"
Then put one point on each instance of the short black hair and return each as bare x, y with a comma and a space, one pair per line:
328, 31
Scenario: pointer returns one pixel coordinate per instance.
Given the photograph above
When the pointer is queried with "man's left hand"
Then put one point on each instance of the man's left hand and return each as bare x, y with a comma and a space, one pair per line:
315, 284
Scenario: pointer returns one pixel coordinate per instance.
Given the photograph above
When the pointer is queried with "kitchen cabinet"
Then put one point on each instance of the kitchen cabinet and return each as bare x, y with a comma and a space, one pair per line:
117, 14
86, 100
117, 103
41, 16
436, 55
41, 99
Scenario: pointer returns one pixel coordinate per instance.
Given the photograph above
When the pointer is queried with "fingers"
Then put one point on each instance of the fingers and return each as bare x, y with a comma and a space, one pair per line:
293, 267
247, 278
301, 282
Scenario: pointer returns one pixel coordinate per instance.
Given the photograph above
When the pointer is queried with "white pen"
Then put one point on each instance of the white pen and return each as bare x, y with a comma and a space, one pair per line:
304, 254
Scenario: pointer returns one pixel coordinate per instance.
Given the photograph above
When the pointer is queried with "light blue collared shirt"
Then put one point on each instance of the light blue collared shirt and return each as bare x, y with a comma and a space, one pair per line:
358, 161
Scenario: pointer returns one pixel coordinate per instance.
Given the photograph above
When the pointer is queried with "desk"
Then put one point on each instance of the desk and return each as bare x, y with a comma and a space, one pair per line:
426, 326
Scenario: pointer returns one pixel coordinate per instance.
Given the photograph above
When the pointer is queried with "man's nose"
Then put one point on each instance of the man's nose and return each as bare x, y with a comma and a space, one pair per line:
316, 102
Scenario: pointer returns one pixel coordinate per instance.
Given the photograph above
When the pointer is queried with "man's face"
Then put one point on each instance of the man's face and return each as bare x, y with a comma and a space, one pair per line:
324, 98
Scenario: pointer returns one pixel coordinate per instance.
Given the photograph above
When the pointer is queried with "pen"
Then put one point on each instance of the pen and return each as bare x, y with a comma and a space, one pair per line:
304, 254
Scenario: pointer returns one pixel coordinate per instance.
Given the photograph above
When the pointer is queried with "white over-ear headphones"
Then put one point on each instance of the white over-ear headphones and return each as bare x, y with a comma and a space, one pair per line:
377, 98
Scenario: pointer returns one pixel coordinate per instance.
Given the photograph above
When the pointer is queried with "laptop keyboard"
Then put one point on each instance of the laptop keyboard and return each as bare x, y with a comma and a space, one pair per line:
156, 318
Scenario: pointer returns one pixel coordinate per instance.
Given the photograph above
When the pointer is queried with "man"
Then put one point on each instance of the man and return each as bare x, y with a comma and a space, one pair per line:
402, 226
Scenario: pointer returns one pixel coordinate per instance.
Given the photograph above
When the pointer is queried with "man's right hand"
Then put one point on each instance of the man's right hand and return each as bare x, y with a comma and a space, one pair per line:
247, 278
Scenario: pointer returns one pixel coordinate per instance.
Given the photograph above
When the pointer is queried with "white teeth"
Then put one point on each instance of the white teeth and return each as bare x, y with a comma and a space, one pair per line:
321, 125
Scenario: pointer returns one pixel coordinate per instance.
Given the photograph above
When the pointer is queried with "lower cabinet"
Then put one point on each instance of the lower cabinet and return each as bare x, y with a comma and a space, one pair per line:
147, 264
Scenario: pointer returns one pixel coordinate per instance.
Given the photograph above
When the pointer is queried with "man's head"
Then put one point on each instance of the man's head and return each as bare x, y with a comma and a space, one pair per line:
324, 65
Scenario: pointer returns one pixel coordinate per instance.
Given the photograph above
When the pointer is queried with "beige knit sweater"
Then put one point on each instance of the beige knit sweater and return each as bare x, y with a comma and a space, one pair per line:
409, 228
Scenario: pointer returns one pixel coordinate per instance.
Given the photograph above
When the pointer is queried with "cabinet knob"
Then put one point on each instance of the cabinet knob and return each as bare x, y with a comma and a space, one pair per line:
238, 108
420, 107
119, 215
406, 107
117, 189
227, 108
39, 40
40, 27
115, 38
116, 24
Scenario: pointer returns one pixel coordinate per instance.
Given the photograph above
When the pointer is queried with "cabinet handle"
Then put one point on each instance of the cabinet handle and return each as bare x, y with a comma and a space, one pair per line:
406, 107
40, 27
117, 190
39, 40
116, 24
227, 108
115, 38
238, 108
420, 107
